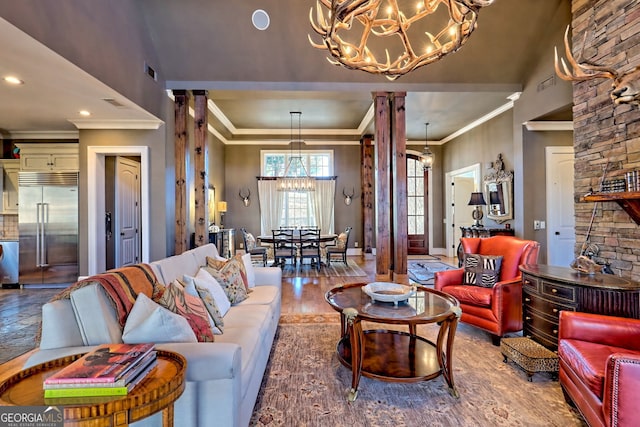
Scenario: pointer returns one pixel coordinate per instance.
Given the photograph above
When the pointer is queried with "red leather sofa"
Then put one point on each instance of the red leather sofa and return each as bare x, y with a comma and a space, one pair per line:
600, 367
497, 310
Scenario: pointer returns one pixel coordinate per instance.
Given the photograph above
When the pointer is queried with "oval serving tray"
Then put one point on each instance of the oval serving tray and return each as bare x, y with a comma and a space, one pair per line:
388, 291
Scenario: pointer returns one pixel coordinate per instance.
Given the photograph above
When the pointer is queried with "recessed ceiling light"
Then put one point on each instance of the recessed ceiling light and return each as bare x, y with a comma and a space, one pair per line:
84, 113
260, 19
13, 80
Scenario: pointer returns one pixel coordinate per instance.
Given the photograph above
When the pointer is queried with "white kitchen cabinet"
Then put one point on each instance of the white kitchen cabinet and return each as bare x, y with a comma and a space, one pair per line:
10, 169
49, 157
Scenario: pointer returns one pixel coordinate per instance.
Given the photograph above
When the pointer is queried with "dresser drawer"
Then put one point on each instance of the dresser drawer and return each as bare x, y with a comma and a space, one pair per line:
549, 308
556, 290
530, 283
540, 324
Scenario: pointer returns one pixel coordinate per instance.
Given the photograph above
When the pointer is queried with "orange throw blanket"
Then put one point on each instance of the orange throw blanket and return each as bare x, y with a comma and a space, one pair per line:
122, 285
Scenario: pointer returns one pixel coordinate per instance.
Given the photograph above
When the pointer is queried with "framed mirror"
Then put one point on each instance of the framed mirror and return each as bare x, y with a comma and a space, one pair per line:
498, 192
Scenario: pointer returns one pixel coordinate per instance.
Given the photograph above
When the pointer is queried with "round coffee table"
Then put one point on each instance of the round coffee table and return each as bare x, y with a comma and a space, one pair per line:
391, 355
158, 391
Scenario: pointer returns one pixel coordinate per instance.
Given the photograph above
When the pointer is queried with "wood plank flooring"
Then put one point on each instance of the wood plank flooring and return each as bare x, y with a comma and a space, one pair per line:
20, 309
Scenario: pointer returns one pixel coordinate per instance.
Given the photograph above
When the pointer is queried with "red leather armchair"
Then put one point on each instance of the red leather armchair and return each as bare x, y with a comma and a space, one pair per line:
497, 310
600, 367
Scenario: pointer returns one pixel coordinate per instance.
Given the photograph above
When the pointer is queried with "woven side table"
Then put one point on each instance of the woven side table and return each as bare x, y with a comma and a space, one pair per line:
529, 355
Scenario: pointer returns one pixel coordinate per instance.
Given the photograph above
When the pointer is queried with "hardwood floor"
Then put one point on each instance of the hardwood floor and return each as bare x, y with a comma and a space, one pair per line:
20, 309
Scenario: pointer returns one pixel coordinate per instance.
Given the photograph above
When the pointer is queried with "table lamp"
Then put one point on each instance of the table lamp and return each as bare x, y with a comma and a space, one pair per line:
477, 200
494, 203
222, 208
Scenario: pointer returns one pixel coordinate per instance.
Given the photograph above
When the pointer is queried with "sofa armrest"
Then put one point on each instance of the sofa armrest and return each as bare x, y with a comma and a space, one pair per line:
621, 384
448, 278
271, 276
507, 303
601, 329
208, 361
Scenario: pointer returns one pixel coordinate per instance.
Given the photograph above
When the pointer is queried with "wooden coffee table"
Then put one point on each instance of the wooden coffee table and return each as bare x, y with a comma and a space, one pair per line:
390, 355
162, 387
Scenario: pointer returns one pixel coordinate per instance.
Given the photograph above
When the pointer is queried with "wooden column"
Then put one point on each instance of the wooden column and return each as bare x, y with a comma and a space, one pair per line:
399, 187
201, 167
367, 184
383, 187
181, 111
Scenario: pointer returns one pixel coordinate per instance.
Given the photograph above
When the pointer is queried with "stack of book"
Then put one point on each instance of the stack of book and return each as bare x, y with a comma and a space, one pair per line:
109, 370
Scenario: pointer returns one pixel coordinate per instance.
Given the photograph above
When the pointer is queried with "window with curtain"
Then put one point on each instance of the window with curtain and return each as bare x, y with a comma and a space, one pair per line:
298, 208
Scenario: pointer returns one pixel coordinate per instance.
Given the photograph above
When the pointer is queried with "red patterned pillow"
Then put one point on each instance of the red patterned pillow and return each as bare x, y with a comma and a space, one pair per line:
190, 307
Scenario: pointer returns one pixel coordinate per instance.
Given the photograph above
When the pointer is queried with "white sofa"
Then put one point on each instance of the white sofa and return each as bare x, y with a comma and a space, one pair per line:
223, 377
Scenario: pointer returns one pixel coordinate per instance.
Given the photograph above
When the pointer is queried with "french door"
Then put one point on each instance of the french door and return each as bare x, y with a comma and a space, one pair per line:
417, 207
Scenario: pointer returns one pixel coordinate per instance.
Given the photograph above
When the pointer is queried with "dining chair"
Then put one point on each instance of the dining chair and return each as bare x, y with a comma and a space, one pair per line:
310, 246
252, 248
284, 247
339, 247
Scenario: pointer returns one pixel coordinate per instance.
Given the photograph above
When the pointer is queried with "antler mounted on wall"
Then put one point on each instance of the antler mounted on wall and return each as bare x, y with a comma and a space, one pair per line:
348, 198
245, 199
626, 87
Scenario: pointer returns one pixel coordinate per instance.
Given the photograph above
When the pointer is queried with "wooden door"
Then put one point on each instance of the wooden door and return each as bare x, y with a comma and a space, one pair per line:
417, 207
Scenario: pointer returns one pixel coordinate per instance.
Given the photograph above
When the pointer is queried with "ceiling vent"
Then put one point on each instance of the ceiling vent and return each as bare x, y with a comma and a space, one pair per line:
114, 102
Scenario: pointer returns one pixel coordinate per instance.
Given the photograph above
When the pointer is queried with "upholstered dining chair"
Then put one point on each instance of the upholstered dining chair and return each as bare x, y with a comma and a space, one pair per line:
489, 285
310, 246
252, 248
284, 247
339, 247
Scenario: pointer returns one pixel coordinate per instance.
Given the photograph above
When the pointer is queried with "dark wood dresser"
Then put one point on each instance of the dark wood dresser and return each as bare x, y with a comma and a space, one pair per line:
547, 290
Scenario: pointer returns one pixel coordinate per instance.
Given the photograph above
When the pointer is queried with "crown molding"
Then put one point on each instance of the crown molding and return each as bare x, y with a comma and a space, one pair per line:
549, 125
52, 134
116, 124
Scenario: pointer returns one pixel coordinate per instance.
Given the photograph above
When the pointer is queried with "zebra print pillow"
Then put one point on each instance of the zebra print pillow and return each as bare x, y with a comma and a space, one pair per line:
481, 270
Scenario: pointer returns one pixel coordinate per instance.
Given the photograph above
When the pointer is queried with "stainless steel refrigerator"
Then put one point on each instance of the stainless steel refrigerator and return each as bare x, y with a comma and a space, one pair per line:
48, 228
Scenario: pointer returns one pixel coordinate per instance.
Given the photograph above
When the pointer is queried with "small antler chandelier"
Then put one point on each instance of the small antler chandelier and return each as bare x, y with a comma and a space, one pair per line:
359, 33
295, 176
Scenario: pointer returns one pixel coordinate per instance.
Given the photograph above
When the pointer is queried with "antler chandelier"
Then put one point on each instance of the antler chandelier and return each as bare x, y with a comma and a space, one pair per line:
357, 32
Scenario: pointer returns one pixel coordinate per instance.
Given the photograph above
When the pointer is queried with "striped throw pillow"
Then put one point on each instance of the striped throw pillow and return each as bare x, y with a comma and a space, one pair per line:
482, 270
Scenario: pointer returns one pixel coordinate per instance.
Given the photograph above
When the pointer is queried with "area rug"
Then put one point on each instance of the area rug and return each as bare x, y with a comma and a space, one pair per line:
305, 385
423, 271
336, 269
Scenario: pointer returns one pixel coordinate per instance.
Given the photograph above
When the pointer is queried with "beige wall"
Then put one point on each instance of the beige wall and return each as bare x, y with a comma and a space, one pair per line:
242, 166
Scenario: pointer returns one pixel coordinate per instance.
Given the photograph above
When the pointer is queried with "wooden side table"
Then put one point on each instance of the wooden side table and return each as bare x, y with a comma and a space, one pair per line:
157, 392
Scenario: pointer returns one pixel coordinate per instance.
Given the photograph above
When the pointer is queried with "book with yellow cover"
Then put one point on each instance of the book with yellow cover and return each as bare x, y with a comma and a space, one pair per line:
106, 364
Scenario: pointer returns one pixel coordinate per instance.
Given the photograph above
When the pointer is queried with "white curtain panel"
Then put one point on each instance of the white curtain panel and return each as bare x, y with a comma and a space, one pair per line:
322, 201
270, 200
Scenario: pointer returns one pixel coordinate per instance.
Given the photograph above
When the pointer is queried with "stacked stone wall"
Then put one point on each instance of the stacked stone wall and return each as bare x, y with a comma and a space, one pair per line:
606, 136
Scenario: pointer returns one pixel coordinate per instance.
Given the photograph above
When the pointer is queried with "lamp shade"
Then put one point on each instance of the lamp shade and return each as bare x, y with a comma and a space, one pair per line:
477, 199
222, 206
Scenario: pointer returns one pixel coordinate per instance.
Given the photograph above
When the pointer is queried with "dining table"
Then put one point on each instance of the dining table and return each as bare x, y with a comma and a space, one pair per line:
297, 239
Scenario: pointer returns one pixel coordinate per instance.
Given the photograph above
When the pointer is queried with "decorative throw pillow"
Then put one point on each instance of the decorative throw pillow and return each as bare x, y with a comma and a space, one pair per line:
207, 281
481, 270
251, 241
237, 259
215, 318
191, 308
231, 281
342, 240
150, 322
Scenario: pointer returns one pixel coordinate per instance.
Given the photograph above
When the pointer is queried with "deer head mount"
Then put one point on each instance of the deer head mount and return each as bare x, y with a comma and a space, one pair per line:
348, 198
626, 87
245, 199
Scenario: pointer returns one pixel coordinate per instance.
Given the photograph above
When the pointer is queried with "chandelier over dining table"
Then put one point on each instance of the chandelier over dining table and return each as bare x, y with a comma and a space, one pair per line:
392, 37
295, 176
